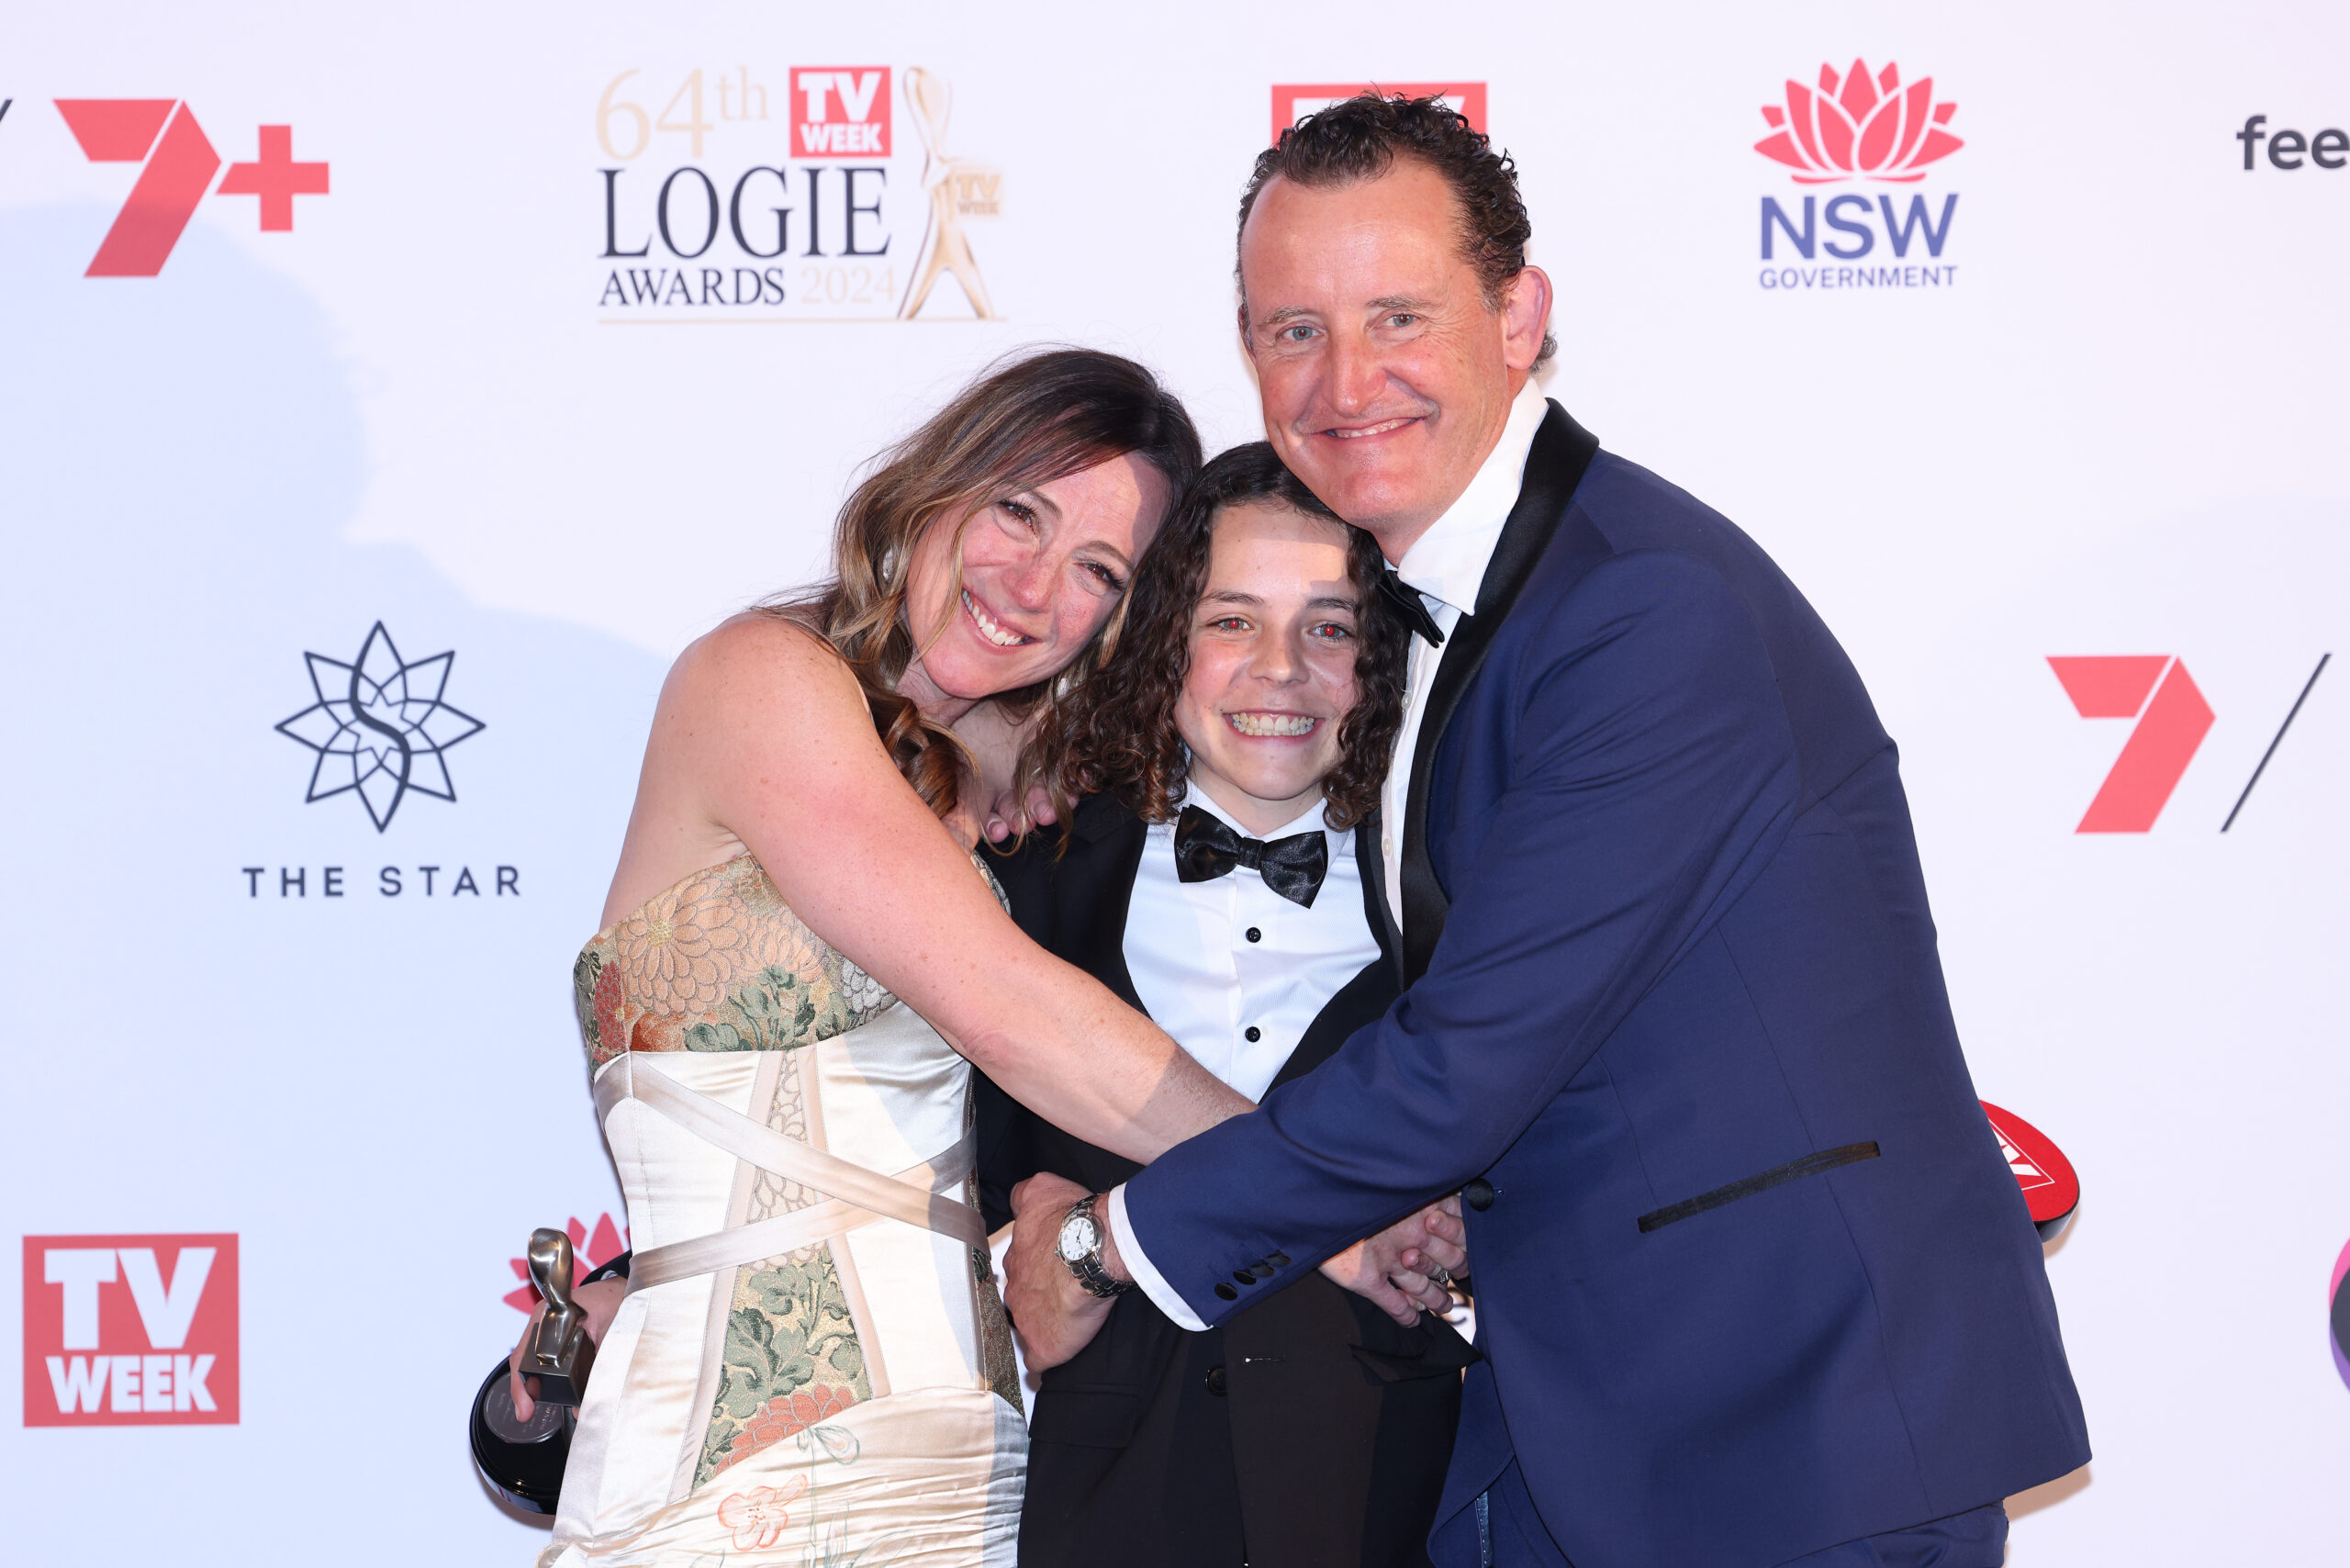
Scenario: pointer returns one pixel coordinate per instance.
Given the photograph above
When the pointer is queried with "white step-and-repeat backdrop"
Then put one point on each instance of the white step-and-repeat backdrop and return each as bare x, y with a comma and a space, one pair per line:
387, 393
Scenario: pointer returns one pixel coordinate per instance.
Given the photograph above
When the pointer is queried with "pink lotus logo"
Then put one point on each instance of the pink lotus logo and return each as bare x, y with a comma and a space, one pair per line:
1863, 127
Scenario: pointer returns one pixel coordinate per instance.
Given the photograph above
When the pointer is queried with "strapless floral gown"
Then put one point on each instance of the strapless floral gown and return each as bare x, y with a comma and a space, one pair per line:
812, 1366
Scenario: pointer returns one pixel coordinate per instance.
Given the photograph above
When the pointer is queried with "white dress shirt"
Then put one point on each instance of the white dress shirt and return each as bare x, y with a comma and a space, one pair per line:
1446, 564
1234, 971
1215, 962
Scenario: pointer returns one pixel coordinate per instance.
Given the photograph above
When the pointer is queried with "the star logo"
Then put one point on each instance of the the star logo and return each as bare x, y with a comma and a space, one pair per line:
380, 727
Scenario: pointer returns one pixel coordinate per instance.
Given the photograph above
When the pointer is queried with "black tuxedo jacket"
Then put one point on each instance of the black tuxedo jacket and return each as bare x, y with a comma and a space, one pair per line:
1309, 1431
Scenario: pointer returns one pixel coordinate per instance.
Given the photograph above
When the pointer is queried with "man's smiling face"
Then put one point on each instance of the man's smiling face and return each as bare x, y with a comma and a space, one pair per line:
1386, 376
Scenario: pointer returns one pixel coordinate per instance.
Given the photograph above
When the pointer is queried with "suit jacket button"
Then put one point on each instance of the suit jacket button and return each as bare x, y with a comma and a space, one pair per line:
1278, 1260
1262, 1270
1243, 1277
1226, 1292
1478, 1193
1215, 1382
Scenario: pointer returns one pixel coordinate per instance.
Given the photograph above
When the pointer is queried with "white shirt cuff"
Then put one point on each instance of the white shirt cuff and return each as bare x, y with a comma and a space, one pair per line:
1130, 1252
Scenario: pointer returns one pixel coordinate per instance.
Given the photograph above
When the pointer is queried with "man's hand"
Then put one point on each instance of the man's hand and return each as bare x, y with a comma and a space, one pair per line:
1391, 1270
602, 1300
1054, 1316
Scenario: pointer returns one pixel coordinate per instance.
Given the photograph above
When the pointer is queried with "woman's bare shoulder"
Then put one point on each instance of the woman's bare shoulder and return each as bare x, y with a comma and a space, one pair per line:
764, 665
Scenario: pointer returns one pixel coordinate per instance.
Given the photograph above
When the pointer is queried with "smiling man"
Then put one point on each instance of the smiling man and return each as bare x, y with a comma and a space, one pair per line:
1754, 1285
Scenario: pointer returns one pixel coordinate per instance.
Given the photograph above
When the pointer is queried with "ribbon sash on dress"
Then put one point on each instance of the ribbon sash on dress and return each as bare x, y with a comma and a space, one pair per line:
854, 1195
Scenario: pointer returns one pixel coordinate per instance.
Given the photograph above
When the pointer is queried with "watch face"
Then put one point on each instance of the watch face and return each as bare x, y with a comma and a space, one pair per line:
1078, 1236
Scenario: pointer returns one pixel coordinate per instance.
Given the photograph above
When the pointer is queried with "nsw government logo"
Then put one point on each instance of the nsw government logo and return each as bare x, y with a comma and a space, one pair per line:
130, 1331
796, 197
1869, 129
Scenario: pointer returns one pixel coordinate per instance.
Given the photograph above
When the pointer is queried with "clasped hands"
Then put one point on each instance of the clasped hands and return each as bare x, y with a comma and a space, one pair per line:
1056, 1318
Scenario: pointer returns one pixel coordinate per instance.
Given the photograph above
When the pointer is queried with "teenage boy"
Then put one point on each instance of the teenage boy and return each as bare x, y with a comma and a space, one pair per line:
1217, 875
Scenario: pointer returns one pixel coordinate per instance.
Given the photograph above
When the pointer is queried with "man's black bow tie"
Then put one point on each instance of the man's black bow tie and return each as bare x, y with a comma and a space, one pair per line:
1206, 848
1410, 606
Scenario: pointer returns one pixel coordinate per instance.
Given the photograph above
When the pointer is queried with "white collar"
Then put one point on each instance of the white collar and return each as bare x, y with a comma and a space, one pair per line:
1306, 821
1448, 561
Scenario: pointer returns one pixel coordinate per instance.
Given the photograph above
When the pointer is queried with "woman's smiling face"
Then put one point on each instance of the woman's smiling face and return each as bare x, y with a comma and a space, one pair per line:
1042, 570
1273, 662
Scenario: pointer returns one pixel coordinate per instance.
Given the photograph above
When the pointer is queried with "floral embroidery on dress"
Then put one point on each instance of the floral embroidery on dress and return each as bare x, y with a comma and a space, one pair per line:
758, 1518
792, 1359
717, 963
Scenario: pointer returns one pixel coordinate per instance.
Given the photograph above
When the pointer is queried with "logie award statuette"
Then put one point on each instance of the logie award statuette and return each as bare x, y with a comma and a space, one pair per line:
524, 1459
557, 1352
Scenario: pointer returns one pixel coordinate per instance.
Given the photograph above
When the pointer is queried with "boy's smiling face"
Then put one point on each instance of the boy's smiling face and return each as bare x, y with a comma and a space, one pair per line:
1273, 662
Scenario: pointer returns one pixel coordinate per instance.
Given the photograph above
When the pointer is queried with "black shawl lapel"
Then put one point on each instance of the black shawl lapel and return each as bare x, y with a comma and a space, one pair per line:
1562, 450
1092, 886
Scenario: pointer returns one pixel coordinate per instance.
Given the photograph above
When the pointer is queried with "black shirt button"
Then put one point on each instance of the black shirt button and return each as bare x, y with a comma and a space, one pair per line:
1478, 1193
1215, 1382
1255, 934
1226, 1293
1253, 1034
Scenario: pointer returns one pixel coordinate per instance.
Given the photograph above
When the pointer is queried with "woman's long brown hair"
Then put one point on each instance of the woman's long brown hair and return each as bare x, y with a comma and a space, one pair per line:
1116, 733
1027, 421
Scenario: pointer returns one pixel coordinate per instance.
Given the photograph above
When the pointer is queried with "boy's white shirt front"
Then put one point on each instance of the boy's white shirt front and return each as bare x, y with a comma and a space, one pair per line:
1203, 977
1445, 567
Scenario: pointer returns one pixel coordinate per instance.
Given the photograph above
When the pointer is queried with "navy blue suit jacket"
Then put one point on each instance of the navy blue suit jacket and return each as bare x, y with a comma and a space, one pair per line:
1753, 1278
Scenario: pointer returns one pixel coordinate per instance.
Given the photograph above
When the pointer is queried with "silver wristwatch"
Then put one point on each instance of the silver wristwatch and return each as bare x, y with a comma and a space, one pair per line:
1079, 1247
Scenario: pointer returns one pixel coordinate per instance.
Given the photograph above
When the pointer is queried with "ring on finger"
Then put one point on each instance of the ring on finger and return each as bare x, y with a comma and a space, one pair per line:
1438, 1272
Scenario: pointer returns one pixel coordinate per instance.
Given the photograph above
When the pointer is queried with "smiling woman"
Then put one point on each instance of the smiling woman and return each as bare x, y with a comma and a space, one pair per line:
987, 555
798, 955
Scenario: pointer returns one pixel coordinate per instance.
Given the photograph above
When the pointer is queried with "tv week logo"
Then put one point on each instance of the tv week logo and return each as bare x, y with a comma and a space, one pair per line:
177, 164
839, 111
130, 1331
1293, 102
1859, 125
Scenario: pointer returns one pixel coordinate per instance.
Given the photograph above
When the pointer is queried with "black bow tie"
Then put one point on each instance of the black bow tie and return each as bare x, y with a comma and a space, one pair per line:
1206, 848
1410, 606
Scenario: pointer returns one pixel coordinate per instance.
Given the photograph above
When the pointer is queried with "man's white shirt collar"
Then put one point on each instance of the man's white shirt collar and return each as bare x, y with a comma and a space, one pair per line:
1448, 561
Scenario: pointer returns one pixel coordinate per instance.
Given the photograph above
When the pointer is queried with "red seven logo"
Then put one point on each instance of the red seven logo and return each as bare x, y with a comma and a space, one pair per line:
2172, 718
162, 133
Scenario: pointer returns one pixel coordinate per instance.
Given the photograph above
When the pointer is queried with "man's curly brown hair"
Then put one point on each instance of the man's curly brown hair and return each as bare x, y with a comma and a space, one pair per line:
1116, 733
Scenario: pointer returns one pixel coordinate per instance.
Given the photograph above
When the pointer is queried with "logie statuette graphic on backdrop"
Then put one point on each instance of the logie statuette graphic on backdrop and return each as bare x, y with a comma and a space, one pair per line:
798, 196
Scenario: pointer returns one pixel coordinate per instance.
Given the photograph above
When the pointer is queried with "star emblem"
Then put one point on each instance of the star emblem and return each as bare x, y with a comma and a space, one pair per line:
379, 727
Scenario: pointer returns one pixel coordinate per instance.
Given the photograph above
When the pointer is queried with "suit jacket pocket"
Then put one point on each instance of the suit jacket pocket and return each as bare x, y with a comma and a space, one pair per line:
1098, 1397
1433, 1348
1088, 1417
1761, 1182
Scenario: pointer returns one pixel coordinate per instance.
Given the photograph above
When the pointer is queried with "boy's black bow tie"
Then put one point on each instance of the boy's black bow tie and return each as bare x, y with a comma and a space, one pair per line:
1206, 848
1410, 606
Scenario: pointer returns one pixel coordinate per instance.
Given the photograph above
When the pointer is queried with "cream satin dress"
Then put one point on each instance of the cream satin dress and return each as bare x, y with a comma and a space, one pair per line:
812, 1366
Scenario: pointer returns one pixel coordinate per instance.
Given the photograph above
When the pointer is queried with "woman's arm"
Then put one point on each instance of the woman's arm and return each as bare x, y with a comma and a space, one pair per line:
762, 730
